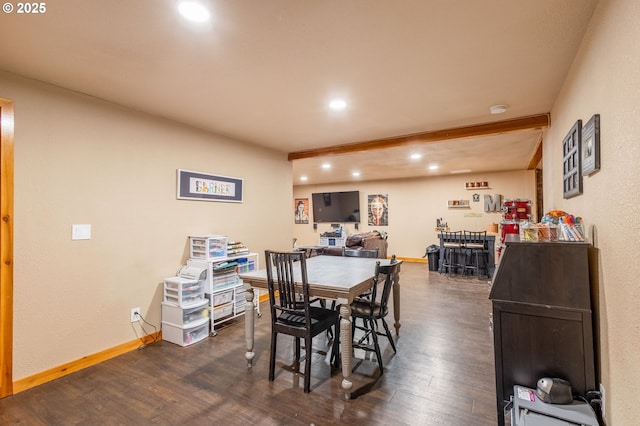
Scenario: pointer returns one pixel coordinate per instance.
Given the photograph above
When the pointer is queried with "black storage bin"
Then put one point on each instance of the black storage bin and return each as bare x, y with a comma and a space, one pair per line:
433, 255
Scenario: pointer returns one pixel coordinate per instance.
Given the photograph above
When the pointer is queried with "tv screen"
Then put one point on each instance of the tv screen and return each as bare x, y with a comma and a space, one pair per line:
336, 207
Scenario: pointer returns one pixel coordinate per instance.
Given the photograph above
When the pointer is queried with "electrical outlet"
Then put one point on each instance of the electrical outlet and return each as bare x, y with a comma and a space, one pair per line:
602, 405
135, 314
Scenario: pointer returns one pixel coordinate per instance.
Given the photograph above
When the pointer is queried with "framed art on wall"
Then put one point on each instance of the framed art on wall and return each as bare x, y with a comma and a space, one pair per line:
301, 213
571, 160
378, 210
591, 146
206, 187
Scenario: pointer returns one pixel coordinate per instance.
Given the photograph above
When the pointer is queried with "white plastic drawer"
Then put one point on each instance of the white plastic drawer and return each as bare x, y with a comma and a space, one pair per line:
185, 336
184, 316
183, 291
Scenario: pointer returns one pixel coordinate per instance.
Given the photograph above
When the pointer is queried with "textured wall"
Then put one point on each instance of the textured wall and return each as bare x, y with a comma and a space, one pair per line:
82, 160
605, 79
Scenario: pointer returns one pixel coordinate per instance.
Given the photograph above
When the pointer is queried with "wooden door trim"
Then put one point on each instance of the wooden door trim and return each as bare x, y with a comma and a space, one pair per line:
6, 247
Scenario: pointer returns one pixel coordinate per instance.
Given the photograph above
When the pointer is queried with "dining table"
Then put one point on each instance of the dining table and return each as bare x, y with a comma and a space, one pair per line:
329, 277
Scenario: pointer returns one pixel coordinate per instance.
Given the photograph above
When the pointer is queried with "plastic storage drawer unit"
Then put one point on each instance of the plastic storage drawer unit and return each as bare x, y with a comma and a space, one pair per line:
184, 316
185, 336
183, 291
208, 247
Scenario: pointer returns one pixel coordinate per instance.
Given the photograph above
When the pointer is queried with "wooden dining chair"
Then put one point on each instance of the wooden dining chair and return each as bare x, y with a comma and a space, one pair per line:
292, 313
374, 309
366, 253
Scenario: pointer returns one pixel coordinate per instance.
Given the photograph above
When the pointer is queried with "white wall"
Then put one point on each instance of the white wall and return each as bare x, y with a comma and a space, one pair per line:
79, 160
605, 79
416, 204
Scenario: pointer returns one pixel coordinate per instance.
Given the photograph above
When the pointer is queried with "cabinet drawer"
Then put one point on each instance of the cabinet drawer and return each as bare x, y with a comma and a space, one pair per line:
185, 336
184, 316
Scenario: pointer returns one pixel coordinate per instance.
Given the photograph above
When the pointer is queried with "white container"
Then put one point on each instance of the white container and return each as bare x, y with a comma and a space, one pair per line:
185, 316
185, 336
208, 247
183, 291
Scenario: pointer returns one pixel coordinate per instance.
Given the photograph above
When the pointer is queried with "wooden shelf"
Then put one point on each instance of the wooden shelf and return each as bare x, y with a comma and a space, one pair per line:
458, 204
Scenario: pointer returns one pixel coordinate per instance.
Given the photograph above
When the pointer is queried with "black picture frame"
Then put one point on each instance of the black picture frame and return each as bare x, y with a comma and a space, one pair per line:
207, 187
571, 162
591, 146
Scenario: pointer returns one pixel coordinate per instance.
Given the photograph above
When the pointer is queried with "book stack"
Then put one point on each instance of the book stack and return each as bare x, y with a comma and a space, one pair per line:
236, 248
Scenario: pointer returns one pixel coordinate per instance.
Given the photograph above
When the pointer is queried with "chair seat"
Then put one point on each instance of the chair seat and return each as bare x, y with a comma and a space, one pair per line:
474, 246
452, 245
319, 317
362, 308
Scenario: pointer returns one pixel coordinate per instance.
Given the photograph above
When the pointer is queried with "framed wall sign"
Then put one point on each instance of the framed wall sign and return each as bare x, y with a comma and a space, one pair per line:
206, 187
591, 146
571, 156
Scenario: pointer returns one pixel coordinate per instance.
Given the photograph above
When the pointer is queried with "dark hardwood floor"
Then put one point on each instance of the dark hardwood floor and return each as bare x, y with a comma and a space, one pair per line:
443, 374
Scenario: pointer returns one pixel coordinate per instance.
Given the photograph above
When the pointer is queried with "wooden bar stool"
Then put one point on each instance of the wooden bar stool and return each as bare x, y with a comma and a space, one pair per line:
453, 249
475, 244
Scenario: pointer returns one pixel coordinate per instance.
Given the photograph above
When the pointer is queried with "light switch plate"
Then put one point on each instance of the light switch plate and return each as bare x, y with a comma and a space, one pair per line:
80, 232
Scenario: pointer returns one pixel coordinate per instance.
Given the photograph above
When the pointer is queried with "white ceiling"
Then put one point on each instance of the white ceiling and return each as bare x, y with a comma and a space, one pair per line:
263, 71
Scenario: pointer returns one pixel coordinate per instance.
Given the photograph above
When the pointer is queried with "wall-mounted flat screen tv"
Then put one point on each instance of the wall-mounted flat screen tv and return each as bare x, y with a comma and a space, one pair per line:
336, 207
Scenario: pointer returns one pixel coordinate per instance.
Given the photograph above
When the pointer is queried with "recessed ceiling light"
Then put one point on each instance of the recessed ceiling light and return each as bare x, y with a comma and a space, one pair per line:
193, 11
433, 167
355, 174
303, 178
337, 104
326, 166
460, 171
416, 156
498, 109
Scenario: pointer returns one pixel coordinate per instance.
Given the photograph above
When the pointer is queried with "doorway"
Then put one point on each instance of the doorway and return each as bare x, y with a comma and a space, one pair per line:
6, 247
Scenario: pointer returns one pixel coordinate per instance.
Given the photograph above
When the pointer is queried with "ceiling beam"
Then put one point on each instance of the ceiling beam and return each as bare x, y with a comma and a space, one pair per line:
537, 156
540, 121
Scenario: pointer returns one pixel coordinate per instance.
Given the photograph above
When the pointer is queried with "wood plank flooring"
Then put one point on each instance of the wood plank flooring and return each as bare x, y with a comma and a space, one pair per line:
443, 374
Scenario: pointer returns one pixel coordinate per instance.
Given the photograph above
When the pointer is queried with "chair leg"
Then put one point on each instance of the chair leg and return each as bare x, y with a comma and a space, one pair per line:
296, 361
307, 364
272, 357
389, 336
376, 346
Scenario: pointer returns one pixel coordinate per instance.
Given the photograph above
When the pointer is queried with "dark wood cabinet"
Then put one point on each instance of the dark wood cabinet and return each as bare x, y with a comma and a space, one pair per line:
542, 319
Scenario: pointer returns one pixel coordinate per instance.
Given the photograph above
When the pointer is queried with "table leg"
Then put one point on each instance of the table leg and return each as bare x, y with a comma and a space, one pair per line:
248, 324
396, 303
346, 341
